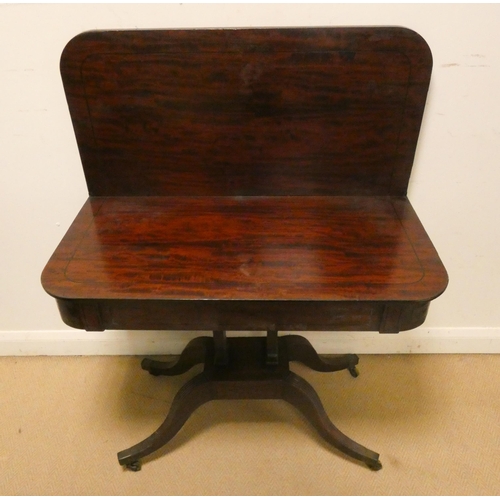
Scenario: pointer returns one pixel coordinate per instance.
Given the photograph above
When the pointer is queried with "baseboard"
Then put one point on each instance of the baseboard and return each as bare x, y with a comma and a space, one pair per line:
77, 342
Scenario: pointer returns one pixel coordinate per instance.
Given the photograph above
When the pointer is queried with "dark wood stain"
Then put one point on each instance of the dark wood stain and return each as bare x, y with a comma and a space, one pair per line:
247, 112
254, 165
247, 179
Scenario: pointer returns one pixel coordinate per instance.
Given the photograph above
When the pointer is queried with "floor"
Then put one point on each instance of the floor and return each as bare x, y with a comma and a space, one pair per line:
434, 419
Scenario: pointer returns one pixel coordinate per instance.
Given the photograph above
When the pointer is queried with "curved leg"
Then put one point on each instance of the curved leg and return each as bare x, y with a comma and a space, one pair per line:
193, 354
300, 349
192, 395
301, 394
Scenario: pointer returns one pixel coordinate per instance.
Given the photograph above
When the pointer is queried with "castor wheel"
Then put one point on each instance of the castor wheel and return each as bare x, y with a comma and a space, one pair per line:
353, 371
134, 466
377, 465
148, 365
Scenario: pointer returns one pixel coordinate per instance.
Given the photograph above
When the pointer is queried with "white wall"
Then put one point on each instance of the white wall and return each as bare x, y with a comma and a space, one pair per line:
454, 188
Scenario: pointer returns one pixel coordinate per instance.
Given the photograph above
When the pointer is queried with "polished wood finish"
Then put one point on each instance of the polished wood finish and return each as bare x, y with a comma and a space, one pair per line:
193, 354
358, 256
249, 179
308, 111
251, 376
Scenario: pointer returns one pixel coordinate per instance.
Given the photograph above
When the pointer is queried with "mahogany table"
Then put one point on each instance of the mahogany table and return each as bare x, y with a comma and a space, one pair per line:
246, 179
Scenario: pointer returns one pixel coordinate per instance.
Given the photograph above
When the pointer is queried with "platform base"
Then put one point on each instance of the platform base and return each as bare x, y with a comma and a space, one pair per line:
248, 368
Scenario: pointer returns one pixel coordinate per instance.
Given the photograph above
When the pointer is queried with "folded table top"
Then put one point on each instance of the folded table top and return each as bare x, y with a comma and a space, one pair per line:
247, 112
231, 171
246, 248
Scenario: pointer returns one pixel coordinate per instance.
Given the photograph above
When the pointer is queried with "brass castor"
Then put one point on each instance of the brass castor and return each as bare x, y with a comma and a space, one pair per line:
134, 466
375, 465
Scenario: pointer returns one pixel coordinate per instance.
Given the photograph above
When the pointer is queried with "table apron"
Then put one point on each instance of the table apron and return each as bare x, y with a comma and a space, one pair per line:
101, 314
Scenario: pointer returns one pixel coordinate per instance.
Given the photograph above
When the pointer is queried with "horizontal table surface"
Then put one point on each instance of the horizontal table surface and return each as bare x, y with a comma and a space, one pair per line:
332, 248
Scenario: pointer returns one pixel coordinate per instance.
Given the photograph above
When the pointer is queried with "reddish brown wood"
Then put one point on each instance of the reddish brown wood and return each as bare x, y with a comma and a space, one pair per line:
272, 248
272, 348
192, 395
248, 179
300, 349
323, 111
221, 357
358, 256
249, 376
386, 317
193, 354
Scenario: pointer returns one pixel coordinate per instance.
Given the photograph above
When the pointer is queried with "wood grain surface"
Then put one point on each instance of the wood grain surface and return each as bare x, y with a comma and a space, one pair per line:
246, 179
258, 248
310, 111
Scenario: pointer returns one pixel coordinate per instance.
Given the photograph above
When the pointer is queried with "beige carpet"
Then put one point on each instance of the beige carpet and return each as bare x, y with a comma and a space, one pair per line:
434, 419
